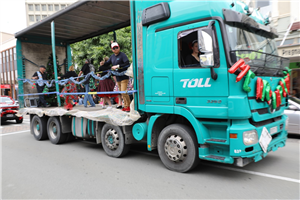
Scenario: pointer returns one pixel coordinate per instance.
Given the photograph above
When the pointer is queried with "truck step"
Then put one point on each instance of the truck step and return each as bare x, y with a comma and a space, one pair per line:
216, 141
216, 157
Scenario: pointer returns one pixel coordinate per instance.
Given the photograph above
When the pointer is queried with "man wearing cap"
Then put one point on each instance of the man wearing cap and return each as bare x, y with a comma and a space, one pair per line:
85, 70
41, 75
118, 61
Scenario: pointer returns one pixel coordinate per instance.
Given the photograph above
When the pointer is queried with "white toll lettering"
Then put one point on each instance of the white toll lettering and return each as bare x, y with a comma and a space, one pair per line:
190, 85
200, 83
195, 82
184, 82
207, 83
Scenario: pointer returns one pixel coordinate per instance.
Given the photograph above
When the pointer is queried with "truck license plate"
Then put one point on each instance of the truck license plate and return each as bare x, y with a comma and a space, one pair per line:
265, 139
9, 115
273, 130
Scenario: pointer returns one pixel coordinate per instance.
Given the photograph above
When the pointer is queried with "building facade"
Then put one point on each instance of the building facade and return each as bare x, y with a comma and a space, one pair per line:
38, 10
8, 65
286, 18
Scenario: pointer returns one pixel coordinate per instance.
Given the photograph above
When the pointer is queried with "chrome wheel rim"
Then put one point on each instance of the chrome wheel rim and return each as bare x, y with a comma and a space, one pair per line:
36, 128
175, 148
52, 130
112, 139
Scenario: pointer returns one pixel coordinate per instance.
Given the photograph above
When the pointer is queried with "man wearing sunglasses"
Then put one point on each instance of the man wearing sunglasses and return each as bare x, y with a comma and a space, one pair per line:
118, 61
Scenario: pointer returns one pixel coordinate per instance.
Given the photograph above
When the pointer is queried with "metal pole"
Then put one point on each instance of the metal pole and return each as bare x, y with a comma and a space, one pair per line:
286, 33
2, 71
115, 36
54, 60
13, 68
6, 70
10, 71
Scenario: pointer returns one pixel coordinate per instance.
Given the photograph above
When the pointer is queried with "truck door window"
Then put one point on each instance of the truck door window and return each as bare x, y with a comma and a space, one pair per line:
186, 43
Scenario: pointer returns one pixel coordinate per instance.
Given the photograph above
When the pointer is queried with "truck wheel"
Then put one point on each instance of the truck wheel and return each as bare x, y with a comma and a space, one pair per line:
177, 148
38, 127
113, 141
54, 131
19, 121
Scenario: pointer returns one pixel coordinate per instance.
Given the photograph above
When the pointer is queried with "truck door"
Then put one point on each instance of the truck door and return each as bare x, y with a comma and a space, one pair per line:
194, 88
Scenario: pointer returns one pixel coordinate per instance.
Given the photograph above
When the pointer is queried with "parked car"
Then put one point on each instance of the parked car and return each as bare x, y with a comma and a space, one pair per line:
8, 109
293, 112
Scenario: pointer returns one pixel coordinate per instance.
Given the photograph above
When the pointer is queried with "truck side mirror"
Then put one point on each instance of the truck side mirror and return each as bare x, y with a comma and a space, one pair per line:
205, 41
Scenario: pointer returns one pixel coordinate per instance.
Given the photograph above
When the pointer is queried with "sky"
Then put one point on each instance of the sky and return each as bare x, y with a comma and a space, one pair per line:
12, 16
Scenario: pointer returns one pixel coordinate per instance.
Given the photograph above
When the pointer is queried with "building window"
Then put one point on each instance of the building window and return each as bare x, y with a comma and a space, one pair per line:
37, 7
56, 7
263, 3
31, 18
44, 16
278, 43
44, 7
288, 42
37, 18
63, 6
30, 7
50, 7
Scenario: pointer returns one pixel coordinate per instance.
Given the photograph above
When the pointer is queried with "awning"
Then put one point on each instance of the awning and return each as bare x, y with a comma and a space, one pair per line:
81, 20
295, 26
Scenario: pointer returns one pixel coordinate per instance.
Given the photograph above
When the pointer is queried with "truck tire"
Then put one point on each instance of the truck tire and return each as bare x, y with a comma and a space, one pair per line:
19, 121
113, 141
177, 148
54, 131
38, 127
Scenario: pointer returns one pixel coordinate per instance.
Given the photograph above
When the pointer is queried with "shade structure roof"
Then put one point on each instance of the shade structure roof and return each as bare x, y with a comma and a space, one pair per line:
82, 20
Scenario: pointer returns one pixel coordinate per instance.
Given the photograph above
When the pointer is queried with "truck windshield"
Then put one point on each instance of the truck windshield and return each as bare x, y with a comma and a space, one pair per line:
257, 50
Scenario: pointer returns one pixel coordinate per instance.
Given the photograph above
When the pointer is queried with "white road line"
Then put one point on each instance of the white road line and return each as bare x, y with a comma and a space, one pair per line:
239, 170
256, 173
14, 133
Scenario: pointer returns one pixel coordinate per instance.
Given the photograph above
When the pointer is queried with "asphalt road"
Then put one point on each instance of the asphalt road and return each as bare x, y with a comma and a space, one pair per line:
79, 170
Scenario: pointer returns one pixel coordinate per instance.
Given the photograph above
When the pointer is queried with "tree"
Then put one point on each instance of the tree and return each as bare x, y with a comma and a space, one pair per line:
98, 47
51, 98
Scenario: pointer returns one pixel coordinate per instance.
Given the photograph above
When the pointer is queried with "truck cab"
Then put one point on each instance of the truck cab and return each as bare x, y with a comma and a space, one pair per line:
228, 121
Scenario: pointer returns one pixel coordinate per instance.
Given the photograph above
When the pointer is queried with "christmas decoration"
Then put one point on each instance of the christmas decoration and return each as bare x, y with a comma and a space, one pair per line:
242, 66
51, 100
250, 75
263, 87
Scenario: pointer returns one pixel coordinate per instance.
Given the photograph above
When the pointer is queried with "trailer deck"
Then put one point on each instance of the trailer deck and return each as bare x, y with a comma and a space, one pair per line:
109, 115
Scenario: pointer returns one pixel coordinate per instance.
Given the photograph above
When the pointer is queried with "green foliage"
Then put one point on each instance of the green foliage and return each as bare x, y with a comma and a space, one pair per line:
51, 98
98, 47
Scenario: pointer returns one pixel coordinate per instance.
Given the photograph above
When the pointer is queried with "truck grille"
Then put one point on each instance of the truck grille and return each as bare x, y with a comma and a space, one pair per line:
265, 122
265, 110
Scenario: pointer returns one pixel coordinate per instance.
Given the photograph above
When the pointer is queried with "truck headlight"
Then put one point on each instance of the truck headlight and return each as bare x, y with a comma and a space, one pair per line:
287, 123
250, 137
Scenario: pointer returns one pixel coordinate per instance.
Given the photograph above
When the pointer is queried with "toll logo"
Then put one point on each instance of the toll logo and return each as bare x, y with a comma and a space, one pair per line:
195, 82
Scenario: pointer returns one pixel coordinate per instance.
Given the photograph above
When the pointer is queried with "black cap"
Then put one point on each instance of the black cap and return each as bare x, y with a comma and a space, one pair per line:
42, 66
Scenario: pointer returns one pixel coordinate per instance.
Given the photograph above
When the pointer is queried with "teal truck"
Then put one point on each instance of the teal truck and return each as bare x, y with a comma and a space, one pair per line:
228, 108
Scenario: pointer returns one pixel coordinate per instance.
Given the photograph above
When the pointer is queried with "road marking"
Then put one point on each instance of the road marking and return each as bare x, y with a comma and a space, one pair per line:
256, 173
14, 133
238, 170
